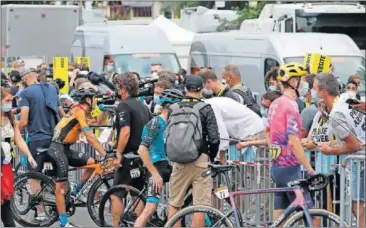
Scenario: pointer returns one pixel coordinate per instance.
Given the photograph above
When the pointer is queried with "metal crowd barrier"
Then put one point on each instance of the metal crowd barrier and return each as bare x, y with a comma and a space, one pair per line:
352, 190
254, 173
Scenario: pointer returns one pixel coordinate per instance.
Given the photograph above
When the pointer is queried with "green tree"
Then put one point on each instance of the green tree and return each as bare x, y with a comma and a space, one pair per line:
243, 14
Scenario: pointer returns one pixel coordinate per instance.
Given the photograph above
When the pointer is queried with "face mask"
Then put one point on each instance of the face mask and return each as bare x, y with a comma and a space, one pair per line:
21, 70
352, 94
272, 88
156, 99
264, 112
6, 107
304, 89
314, 97
110, 69
70, 74
154, 75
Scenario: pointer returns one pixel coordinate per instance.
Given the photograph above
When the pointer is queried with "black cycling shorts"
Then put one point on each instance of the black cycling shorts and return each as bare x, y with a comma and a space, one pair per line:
164, 170
123, 176
61, 157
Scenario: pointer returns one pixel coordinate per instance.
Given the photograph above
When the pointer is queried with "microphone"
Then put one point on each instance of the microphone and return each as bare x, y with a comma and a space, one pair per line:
107, 108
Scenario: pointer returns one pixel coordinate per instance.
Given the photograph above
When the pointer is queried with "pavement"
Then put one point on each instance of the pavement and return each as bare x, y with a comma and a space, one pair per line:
81, 218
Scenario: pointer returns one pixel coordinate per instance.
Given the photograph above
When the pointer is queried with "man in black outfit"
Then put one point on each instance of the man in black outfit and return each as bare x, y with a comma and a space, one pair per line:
211, 82
131, 117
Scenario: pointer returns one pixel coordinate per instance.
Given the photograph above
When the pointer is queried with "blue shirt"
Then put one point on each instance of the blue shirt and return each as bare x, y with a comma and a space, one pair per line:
153, 138
41, 121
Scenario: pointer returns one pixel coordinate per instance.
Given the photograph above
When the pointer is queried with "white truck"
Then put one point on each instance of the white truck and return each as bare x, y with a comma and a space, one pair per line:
37, 31
323, 17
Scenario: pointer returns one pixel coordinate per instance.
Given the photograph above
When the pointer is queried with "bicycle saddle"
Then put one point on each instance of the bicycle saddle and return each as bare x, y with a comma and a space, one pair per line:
41, 150
132, 156
221, 168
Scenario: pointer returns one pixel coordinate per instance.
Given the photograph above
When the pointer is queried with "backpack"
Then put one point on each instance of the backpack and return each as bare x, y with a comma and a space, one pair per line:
248, 99
183, 135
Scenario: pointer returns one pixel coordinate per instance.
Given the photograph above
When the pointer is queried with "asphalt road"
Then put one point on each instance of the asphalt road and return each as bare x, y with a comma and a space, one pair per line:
80, 218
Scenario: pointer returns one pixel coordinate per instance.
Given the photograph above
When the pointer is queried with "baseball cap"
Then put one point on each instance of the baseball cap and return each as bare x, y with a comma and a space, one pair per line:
194, 83
27, 71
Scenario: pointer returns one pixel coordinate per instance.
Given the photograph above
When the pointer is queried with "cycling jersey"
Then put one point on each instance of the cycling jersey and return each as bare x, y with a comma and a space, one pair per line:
153, 138
71, 125
283, 121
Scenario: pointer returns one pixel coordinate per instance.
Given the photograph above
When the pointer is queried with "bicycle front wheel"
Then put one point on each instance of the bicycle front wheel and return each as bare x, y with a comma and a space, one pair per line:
96, 192
132, 200
212, 217
321, 218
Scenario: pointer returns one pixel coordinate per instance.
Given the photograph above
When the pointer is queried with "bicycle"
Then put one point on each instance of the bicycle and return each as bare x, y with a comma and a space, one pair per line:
88, 196
303, 213
159, 218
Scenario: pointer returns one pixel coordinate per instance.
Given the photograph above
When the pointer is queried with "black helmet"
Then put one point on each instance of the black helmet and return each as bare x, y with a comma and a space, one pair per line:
170, 96
83, 93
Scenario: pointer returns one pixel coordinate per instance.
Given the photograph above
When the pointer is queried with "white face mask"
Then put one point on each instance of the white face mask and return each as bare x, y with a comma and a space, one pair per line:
352, 94
154, 75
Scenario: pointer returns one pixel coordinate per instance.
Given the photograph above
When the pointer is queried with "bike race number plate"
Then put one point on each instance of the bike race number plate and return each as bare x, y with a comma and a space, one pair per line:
135, 173
222, 192
275, 151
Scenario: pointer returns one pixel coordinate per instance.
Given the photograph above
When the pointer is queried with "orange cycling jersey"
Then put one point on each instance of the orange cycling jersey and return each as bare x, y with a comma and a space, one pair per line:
70, 126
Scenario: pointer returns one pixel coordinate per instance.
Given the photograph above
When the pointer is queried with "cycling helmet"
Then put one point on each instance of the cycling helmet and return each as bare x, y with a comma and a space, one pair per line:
170, 96
289, 70
84, 92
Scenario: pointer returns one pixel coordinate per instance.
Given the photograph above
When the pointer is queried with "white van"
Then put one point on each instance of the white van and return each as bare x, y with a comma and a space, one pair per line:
256, 53
132, 47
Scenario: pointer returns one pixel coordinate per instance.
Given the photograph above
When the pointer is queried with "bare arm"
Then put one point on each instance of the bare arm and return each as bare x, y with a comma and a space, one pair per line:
144, 154
19, 141
93, 141
24, 113
123, 139
295, 145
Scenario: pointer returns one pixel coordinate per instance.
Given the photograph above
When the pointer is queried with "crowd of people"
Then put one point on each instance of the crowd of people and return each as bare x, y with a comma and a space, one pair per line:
187, 123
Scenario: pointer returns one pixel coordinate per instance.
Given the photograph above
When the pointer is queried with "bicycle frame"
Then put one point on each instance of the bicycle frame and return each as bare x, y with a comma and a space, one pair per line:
299, 202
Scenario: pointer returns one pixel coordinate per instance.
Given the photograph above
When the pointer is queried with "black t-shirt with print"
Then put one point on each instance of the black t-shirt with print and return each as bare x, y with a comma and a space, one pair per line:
134, 114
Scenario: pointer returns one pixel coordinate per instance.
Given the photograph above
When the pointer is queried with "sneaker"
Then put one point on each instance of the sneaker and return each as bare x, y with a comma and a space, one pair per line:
69, 224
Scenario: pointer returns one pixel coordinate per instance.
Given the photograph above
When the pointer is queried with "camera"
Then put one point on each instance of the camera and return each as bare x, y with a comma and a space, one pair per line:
60, 83
352, 101
146, 87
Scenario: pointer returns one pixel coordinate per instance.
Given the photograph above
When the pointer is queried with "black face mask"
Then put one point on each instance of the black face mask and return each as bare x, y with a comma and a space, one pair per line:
24, 84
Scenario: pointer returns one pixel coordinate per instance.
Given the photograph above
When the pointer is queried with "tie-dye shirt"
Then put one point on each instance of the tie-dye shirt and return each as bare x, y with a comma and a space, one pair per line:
284, 120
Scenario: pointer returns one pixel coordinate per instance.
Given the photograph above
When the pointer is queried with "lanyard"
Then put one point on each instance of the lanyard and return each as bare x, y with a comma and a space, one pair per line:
190, 100
221, 92
237, 86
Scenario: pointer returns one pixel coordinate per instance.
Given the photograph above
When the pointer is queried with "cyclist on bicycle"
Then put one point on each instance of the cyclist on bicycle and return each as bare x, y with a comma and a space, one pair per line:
66, 133
284, 124
153, 154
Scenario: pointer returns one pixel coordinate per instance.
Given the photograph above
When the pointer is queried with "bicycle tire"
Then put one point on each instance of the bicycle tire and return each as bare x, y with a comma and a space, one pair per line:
93, 189
110, 192
314, 212
17, 169
18, 217
198, 209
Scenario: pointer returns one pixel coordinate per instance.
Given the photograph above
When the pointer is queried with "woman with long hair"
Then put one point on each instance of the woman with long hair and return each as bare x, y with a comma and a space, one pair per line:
9, 133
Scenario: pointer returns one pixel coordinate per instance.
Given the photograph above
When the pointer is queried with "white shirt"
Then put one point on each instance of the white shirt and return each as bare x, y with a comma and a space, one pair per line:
234, 120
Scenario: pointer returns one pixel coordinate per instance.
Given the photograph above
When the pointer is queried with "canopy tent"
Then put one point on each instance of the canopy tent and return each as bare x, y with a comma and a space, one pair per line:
174, 32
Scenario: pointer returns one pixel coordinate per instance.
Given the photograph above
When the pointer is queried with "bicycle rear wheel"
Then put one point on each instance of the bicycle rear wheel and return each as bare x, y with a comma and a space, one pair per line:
324, 217
213, 217
24, 204
128, 217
